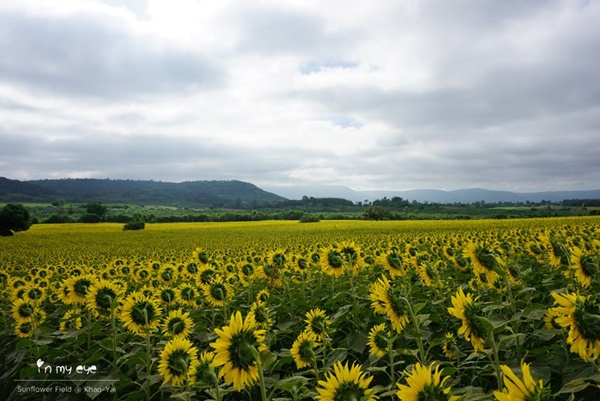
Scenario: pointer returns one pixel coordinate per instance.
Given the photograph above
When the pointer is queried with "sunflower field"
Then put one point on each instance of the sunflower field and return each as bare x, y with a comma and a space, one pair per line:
336, 310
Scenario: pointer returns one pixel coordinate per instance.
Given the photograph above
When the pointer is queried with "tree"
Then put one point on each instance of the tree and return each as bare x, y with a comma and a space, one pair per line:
14, 218
376, 213
95, 213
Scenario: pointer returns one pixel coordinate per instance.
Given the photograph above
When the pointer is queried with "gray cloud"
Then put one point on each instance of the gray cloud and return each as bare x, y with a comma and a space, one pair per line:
95, 56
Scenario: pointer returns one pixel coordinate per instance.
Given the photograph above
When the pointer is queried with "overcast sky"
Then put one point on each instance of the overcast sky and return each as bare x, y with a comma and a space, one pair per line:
389, 94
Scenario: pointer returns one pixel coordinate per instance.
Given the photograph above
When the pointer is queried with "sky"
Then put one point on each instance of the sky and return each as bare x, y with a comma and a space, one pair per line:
373, 94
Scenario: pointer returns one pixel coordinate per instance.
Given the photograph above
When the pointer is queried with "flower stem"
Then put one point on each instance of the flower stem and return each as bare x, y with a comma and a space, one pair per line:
261, 375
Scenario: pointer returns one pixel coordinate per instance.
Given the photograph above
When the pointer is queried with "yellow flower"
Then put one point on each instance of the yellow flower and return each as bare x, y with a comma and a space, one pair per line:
393, 263
317, 323
178, 362
140, 314
423, 384
584, 266
100, 297
303, 349
465, 308
262, 314
234, 350
177, 324
332, 262
522, 390
378, 340
581, 316
217, 292
71, 320
345, 384
78, 287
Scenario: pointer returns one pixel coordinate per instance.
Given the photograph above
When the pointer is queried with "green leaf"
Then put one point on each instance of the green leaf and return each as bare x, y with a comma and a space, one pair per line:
289, 383
574, 386
357, 341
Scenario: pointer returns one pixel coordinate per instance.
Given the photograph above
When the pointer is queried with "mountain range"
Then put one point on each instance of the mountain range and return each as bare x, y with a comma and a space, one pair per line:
239, 194
471, 195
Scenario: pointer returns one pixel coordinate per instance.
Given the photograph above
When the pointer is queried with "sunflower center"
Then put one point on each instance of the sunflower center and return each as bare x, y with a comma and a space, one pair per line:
381, 341
176, 325
588, 267
588, 320
349, 391
395, 302
192, 268
178, 362
142, 313
471, 312
432, 392
247, 269
81, 286
306, 351
261, 315
335, 259
302, 264
104, 297
167, 295
167, 274
203, 257
218, 291
278, 259
394, 261
240, 350
25, 310
34, 293
206, 276
318, 325
187, 293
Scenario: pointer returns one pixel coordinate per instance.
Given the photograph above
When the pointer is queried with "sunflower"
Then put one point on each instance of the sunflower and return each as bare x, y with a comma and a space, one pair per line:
485, 263
550, 319
424, 384
167, 295
526, 389
23, 310
393, 262
217, 292
345, 384
71, 320
101, 298
140, 314
178, 362
247, 273
25, 329
205, 371
351, 253
379, 340
584, 266
466, 308
581, 316
303, 349
201, 257
332, 262
34, 293
187, 294
387, 300
377, 293
449, 346
177, 324
428, 273
78, 287
317, 323
263, 295
262, 314
234, 350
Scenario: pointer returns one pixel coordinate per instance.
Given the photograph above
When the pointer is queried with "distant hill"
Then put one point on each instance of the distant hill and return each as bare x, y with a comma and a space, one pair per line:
192, 193
431, 195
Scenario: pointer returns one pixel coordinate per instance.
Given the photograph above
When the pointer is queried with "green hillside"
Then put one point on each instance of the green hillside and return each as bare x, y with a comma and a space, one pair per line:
192, 193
